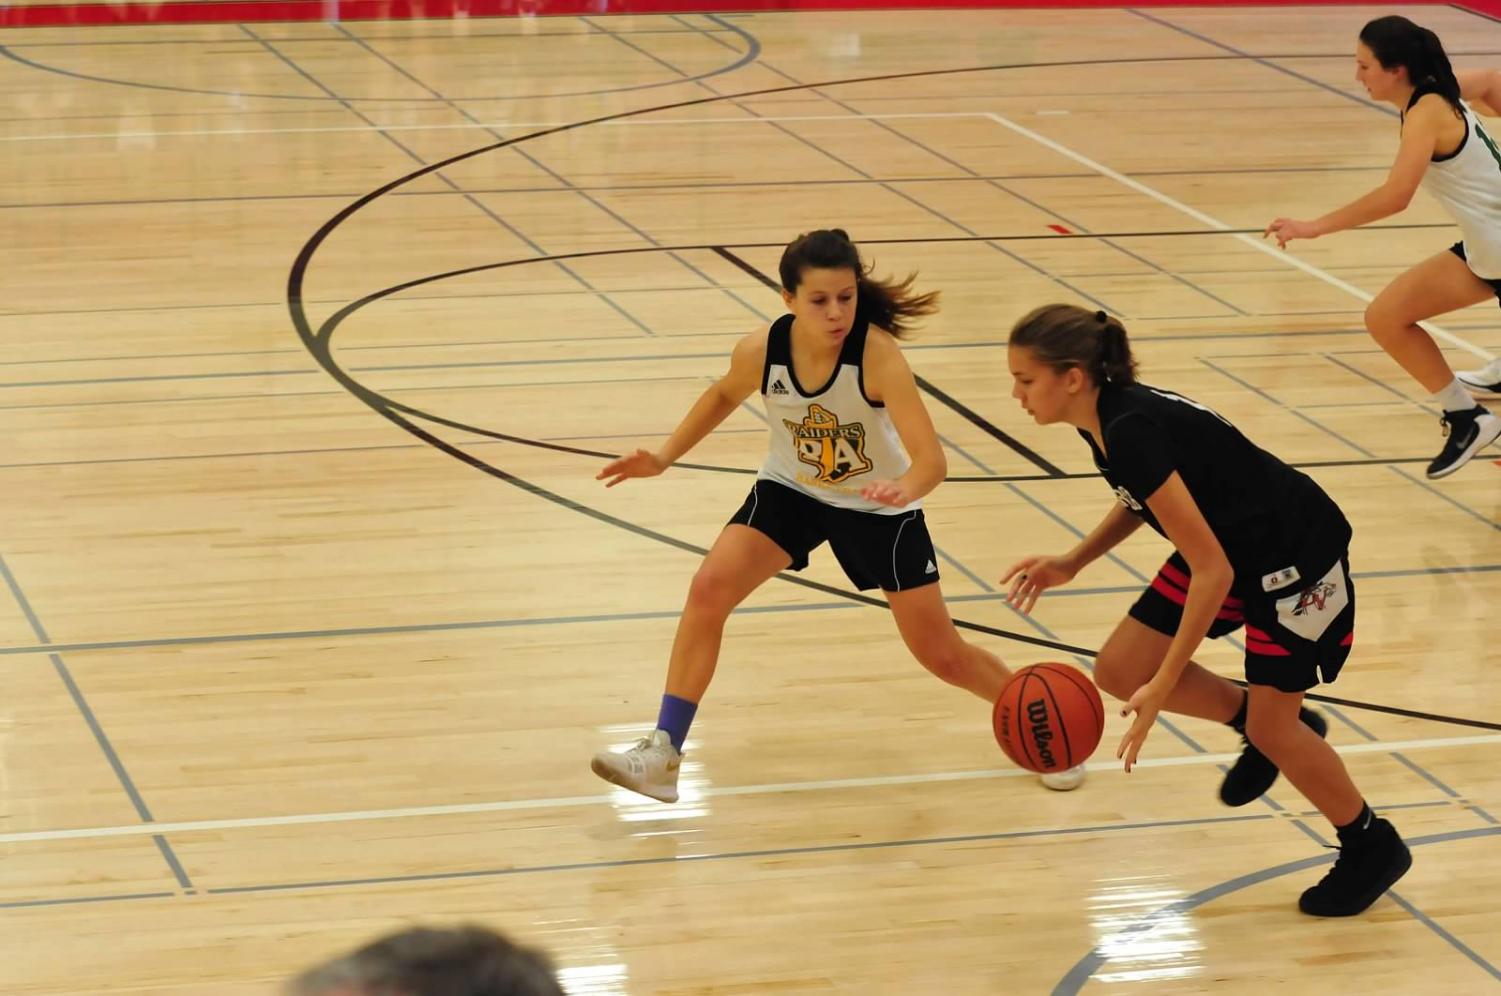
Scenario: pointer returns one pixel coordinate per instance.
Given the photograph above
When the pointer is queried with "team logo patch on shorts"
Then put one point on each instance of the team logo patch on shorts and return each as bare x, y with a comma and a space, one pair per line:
1309, 612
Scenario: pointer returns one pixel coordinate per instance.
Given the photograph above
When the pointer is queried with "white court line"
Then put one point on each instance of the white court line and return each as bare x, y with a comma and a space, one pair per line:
1108, 765
1260, 245
470, 126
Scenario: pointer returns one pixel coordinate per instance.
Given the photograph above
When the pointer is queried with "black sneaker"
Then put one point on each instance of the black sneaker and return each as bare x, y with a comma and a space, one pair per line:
1483, 383
1366, 867
1469, 432
1253, 772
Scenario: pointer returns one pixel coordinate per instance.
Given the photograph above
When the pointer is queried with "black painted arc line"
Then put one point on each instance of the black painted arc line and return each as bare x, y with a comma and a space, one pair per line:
319, 346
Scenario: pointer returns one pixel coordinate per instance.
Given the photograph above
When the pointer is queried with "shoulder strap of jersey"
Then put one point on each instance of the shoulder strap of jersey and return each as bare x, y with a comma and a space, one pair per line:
778, 348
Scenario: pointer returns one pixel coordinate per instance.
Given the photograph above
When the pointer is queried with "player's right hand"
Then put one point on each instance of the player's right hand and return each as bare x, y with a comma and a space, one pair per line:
1032, 576
642, 463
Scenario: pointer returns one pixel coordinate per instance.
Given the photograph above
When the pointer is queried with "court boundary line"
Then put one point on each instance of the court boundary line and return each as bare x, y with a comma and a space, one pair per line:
614, 796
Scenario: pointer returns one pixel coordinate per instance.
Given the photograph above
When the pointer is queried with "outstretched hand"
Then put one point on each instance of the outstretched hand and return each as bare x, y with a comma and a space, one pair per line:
1033, 576
642, 463
1284, 230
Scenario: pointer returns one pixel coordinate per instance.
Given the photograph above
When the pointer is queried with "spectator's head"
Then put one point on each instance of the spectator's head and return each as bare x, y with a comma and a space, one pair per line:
425, 961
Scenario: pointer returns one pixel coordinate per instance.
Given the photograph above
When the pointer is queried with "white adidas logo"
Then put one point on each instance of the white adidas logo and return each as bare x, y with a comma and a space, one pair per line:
932, 568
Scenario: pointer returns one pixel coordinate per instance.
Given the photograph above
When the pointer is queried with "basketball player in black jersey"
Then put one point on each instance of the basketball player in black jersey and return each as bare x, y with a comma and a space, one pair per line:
852, 453
1257, 544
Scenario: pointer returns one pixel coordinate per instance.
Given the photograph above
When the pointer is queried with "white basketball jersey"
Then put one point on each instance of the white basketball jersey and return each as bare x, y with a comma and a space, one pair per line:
1468, 184
829, 440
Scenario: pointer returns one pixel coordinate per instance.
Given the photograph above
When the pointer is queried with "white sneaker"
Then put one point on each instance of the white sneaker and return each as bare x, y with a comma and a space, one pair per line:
1064, 781
1485, 382
650, 767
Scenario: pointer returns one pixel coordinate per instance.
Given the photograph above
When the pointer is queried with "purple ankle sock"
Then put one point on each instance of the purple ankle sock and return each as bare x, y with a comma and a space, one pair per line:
675, 717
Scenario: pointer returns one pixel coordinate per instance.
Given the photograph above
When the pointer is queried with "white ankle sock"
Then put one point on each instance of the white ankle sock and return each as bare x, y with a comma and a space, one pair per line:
1455, 398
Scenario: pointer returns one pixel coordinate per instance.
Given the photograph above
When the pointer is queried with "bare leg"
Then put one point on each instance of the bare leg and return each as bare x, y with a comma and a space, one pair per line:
1132, 655
1314, 768
741, 560
1440, 284
923, 620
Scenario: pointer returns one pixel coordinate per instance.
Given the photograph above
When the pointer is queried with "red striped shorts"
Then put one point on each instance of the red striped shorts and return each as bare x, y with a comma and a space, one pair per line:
1293, 635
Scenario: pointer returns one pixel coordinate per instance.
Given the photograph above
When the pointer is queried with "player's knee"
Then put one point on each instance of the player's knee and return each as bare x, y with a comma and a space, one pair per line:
711, 590
1381, 322
1114, 673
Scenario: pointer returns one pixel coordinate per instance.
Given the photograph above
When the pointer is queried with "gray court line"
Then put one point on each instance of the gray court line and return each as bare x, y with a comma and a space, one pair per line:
1364, 102
382, 368
472, 199
1297, 413
341, 449
1016, 257
91, 720
31, 903
1117, 561
1453, 941
918, 203
1077, 976
358, 631
565, 184
1420, 482
740, 855
1349, 404
1379, 383
959, 566
178, 871
910, 347
1360, 449
1017, 195
503, 36
6, 52
471, 874
695, 185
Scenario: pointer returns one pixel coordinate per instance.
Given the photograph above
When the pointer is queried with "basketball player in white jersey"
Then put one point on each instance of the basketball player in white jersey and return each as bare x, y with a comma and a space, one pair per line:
1481, 89
1444, 149
852, 454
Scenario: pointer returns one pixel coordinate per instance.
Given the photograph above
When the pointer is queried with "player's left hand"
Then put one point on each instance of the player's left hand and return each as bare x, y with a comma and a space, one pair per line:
886, 493
1146, 702
1284, 230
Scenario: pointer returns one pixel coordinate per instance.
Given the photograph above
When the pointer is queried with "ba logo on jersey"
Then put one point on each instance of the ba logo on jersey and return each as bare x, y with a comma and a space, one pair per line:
837, 451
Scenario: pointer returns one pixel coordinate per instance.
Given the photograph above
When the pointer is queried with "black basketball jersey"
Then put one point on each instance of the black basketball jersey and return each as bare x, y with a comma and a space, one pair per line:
1276, 524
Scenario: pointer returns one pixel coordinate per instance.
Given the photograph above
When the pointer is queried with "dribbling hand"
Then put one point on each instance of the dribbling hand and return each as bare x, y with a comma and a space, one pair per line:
642, 463
1146, 702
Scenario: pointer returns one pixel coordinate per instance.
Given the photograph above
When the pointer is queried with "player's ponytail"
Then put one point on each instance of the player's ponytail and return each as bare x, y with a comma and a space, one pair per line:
1396, 41
888, 304
1065, 335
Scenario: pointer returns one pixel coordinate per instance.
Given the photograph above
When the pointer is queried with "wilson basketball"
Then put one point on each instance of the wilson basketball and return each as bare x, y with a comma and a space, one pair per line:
1049, 717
